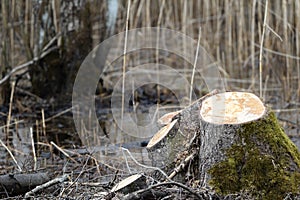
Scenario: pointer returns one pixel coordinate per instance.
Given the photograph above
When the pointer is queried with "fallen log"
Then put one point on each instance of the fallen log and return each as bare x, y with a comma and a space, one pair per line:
229, 143
16, 184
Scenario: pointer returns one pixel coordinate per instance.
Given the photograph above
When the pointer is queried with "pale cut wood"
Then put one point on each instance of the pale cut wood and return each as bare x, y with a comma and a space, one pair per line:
232, 108
167, 118
161, 134
130, 184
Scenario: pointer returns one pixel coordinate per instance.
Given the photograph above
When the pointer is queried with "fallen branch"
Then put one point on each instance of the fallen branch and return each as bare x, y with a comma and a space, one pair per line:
61, 179
23, 66
182, 165
65, 153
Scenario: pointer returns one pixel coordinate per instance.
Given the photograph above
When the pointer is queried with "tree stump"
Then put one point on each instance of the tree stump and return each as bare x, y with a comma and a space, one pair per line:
229, 143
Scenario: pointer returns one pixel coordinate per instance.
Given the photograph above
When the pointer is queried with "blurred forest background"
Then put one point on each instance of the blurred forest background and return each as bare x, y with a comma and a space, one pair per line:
43, 43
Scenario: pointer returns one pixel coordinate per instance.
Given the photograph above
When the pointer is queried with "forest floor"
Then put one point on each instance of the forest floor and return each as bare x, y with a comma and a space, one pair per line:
90, 174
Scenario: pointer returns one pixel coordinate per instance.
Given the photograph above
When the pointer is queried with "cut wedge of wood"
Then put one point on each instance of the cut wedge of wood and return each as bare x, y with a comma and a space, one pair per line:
162, 133
130, 184
167, 118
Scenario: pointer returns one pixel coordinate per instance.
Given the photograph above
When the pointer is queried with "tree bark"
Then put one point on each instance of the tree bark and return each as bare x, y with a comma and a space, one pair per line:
229, 143
15, 184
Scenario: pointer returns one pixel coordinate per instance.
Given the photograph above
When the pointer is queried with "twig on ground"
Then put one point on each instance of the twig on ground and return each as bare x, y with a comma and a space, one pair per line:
61, 179
75, 181
11, 155
145, 166
136, 194
20, 90
182, 165
16, 122
127, 165
58, 114
61, 150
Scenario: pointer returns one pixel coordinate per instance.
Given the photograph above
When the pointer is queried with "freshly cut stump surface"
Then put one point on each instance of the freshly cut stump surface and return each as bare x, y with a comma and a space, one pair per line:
232, 108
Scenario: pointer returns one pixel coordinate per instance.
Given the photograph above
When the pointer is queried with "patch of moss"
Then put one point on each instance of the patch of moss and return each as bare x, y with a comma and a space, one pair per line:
262, 161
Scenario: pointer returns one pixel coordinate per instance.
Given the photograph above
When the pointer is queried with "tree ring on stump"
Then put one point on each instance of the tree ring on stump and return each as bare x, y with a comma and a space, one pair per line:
232, 108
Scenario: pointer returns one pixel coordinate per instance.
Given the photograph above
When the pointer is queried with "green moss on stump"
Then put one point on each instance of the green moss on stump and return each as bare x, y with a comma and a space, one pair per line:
263, 161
